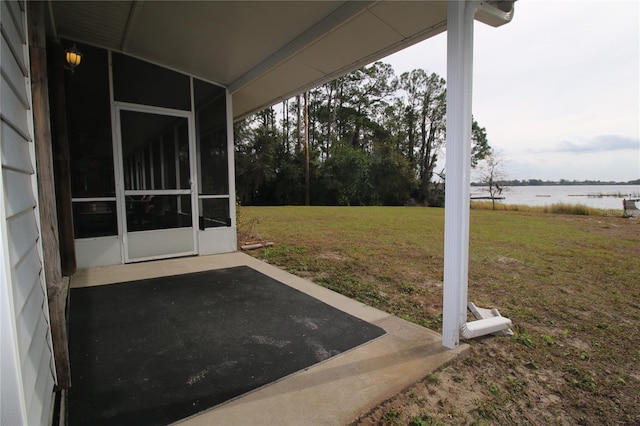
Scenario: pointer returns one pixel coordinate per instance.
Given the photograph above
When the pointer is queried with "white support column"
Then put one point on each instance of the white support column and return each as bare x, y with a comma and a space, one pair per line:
176, 156
460, 18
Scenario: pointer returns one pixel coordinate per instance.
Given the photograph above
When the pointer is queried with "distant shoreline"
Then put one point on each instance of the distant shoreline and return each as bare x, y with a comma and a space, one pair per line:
595, 196
537, 182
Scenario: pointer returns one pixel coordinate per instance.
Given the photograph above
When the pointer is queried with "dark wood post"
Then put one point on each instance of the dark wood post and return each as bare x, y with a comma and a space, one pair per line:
56, 288
62, 159
307, 199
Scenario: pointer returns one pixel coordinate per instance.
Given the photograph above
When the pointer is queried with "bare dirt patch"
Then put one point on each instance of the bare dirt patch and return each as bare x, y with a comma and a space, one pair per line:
614, 227
330, 255
570, 284
490, 386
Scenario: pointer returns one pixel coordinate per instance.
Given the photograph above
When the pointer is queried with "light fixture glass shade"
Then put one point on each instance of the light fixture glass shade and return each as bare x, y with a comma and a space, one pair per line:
73, 56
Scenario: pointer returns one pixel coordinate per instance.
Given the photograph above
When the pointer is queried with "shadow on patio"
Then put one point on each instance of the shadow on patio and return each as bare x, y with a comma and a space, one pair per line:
335, 391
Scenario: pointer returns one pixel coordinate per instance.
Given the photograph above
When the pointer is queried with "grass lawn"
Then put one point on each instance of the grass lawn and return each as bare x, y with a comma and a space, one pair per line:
570, 284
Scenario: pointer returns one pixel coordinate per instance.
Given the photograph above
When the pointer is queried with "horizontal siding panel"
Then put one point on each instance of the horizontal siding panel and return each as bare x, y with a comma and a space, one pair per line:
17, 192
16, 15
38, 410
32, 359
46, 390
23, 234
25, 274
12, 19
28, 318
10, 86
13, 111
16, 153
15, 76
18, 202
15, 40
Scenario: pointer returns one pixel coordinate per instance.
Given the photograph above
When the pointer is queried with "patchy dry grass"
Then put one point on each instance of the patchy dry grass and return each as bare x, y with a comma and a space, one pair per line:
570, 284
556, 208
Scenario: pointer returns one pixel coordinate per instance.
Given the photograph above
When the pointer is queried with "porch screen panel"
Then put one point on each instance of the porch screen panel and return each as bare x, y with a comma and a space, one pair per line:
155, 151
155, 158
213, 170
143, 83
91, 145
94, 218
214, 212
148, 213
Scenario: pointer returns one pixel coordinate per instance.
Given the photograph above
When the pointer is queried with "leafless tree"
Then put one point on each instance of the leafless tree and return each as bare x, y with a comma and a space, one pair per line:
492, 174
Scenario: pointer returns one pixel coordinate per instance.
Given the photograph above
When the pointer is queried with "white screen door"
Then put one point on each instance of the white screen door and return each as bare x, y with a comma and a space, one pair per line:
157, 191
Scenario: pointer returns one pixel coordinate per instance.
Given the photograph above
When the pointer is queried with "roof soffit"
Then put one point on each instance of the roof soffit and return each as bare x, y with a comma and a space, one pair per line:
261, 51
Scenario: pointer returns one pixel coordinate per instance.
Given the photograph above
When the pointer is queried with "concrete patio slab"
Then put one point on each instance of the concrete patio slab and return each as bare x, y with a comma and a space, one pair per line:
334, 392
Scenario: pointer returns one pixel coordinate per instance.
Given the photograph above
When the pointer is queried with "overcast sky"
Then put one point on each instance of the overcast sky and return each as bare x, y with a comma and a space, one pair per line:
557, 89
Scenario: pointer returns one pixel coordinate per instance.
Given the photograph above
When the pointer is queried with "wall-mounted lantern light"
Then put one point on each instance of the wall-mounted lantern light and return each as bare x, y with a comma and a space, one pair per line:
73, 58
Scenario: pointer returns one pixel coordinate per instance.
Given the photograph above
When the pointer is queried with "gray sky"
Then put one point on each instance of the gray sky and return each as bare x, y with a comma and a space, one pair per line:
557, 88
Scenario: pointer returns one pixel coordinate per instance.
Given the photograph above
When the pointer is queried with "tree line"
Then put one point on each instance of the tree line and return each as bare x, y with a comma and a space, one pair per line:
367, 138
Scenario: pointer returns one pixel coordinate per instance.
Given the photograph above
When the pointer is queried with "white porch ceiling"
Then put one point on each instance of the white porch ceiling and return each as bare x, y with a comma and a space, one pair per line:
263, 51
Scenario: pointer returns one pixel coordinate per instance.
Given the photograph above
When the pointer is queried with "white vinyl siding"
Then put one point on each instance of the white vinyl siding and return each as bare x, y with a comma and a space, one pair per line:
27, 360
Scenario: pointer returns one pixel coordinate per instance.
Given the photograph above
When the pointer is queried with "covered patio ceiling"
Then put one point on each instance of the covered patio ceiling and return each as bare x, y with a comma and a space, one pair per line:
262, 51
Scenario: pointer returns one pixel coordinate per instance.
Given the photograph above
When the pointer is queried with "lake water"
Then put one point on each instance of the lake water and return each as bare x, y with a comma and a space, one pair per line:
597, 196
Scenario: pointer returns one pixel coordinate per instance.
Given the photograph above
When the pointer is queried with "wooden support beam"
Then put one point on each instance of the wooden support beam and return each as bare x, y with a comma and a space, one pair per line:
56, 287
61, 157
